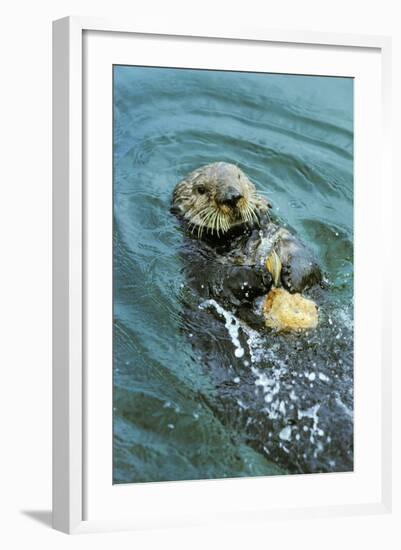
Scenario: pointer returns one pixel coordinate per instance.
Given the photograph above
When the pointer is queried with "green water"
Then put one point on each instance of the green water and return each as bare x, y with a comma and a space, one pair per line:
293, 136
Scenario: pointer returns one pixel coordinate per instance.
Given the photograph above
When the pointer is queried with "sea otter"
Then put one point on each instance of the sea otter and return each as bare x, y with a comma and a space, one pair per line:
230, 223
286, 395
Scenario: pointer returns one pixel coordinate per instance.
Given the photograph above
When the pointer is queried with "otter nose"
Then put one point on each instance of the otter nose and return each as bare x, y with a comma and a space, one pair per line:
230, 197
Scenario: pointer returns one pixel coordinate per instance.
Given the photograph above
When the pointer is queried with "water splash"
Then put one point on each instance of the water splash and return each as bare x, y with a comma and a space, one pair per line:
231, 322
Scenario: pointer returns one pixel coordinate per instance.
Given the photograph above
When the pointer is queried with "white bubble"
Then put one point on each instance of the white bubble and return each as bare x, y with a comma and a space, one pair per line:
285, 433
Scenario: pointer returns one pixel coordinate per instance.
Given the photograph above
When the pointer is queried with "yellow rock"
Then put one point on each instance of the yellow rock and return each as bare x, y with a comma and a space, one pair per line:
285, 312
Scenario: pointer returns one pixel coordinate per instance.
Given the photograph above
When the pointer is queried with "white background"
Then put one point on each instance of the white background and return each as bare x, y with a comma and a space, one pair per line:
25, 300
235, 498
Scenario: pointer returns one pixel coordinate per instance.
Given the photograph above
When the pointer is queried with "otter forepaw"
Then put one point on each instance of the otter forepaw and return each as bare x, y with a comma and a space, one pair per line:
300, 274
243, 284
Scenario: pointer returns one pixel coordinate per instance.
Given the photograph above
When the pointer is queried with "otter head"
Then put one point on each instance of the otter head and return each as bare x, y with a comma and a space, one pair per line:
216, 198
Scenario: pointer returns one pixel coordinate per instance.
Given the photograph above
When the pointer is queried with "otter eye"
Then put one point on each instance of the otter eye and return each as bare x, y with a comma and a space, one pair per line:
201, 189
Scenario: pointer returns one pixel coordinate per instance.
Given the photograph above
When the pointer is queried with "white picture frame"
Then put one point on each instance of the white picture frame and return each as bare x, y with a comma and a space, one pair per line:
70, 256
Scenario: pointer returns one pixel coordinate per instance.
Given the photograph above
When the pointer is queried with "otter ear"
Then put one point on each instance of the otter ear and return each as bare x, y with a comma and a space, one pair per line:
264, 204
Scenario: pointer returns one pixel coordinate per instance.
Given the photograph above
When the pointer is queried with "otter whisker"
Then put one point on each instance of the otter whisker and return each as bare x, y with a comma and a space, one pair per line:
190, 215
214, 221
223, 223
193, 227
208, 220
258, 194
219, 222
246, 213
253, 213
200, 215
214, 228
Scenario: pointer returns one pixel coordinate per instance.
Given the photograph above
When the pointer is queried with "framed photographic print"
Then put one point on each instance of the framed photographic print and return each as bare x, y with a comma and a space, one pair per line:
220, 323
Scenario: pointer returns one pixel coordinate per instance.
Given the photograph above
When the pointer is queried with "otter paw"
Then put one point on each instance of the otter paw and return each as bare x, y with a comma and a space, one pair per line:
300, 274
244, 284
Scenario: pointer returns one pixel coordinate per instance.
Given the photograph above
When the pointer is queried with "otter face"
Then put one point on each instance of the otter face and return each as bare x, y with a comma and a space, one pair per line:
216, 198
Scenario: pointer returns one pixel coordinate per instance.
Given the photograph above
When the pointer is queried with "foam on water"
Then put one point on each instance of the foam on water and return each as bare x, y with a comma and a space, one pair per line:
231, 323
285, 433
312, 413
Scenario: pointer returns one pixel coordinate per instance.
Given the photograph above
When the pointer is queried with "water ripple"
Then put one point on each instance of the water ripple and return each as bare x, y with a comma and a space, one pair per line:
175, 416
